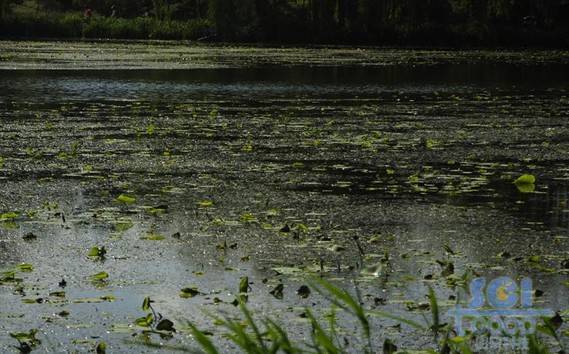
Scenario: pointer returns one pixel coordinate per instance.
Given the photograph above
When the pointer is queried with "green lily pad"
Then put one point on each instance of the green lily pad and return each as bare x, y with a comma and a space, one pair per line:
8, 216
125, 198
187, 293
526, 188
101, 348
97, 252
25, 267
247, 218
122, 226
9, 277
525, 179
146, 304
101, 276
145, 321
205, 203
151, 236
525, 183
95, 300
27, 337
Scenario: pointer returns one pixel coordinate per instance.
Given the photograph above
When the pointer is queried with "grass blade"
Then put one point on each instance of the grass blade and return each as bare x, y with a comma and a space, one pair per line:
411, 323
205, 343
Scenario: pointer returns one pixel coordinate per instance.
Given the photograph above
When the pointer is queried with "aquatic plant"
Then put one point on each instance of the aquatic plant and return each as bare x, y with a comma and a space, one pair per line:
154, 320
259, 336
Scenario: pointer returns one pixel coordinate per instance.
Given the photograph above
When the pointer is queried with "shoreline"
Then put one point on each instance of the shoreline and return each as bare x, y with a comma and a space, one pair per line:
300, 45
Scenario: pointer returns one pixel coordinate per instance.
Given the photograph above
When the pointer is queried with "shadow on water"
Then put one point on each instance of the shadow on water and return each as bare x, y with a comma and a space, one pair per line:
313, 81
546, 207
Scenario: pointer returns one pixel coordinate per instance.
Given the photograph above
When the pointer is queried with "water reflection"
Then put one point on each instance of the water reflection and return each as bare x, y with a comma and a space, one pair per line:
279, 81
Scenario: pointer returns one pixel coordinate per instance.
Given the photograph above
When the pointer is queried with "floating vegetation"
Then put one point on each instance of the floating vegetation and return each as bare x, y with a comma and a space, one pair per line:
95, 300
525, 179
154, 320
99, 279
123, 225
152, 236
9, 216
126, 199
247, 147
101, 348
257, 336
381, 170
9, 277
205, 203
26, 340
25, 267
150, 129
248, 218
97, 252
187, 293
525, 183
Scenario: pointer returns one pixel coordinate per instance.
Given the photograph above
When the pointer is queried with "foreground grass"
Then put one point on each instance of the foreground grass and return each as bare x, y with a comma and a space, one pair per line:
260, 336
266, 336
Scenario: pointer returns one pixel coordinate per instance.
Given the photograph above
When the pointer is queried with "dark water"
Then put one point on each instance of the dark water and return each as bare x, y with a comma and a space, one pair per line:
418, 157
297, 81
533, 97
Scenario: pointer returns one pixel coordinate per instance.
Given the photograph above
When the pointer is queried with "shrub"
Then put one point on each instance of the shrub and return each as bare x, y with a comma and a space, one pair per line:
73, 25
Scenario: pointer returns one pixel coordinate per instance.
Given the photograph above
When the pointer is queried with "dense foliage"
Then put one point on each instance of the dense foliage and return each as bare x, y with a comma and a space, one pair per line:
429, 22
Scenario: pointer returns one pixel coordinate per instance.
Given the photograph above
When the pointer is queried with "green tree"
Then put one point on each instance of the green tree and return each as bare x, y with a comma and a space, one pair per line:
222, 14
5, 7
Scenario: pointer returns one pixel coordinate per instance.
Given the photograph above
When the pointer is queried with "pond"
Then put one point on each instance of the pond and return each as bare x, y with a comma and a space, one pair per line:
163, 166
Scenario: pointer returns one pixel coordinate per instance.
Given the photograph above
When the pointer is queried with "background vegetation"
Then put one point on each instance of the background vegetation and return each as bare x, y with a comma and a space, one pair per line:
389, 22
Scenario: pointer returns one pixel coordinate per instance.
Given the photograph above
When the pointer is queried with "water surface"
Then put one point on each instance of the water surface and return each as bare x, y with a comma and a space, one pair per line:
406, 155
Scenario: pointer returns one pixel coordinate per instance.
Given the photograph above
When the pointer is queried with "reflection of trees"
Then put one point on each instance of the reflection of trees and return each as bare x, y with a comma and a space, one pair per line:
556, 204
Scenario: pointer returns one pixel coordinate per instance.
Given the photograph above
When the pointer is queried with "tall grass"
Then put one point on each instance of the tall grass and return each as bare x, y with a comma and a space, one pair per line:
266, 336
73, 25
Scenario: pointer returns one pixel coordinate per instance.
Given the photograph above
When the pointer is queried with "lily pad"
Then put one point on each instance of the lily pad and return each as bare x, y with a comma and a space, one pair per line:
165, 325
97, 252
526, 188
28, 338
187, 293
25, 267
205, 203
101, 276
101, 348
145, 321
126, 199
525, 183
146, 304
303, 291
151, 236
277, 292
525, 179
8, 216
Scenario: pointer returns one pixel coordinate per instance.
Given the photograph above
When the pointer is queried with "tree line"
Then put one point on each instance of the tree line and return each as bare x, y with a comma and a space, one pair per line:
430, 22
